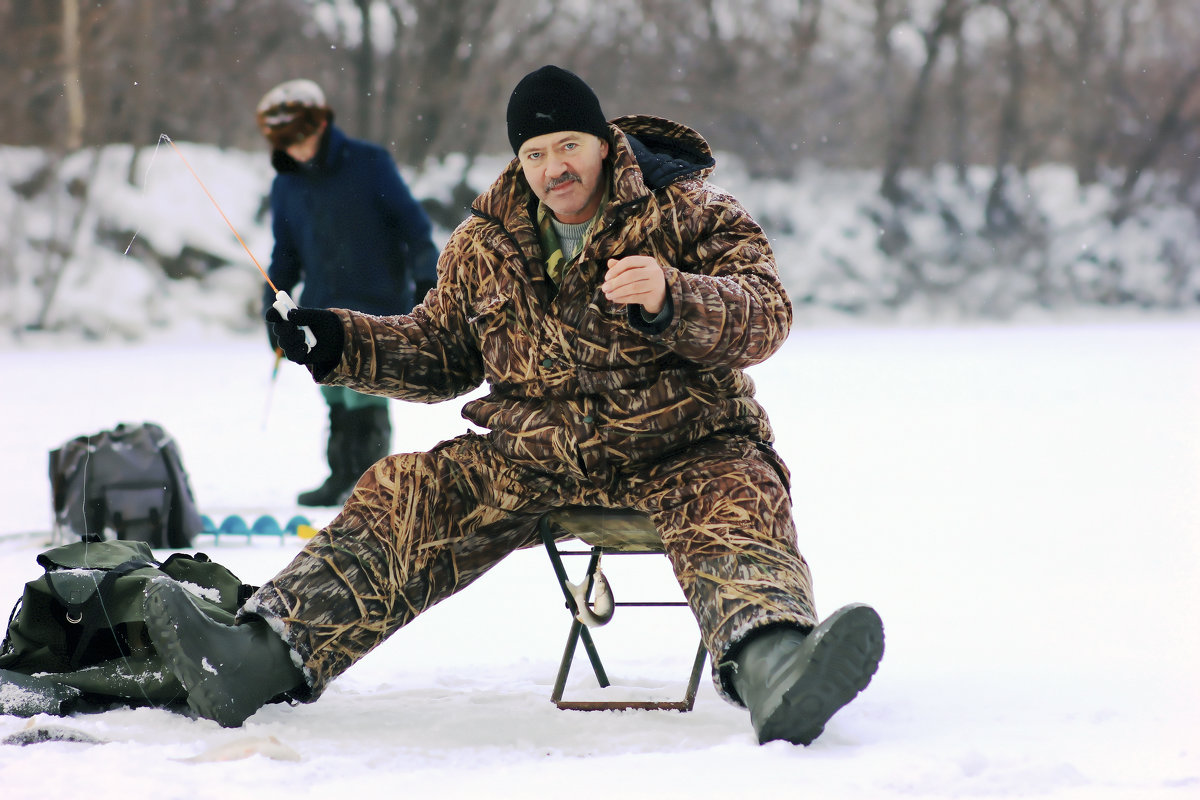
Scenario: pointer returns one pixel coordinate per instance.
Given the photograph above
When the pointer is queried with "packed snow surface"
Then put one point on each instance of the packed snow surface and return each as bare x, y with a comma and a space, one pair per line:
1020, 503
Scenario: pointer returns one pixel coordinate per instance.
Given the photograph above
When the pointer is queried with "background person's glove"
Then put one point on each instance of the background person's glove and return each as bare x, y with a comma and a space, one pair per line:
326, 327
422, 289
268, 300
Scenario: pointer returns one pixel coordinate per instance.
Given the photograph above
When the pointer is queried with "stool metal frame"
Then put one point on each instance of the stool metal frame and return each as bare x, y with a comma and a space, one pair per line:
608, 532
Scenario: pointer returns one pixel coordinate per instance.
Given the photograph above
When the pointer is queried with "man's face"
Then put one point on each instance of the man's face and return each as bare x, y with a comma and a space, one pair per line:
566, 172
305, 149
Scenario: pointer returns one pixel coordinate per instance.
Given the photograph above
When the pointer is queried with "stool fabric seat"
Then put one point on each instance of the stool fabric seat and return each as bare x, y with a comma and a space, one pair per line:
612, 529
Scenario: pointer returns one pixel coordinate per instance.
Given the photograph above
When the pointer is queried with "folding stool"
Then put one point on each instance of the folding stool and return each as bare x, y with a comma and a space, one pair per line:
608, 532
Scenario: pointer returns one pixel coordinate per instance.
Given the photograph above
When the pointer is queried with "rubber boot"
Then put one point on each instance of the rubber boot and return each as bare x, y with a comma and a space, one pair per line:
229, 671
336, 488
793, 682
370, 434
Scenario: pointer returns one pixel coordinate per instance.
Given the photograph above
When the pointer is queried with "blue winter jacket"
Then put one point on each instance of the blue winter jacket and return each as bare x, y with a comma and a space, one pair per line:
347, 226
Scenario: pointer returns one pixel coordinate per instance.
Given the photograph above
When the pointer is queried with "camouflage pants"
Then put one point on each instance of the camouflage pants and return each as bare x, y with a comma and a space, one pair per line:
421, 526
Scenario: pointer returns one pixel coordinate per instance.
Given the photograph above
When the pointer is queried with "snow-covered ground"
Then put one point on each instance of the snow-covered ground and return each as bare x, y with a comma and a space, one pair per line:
1021, 504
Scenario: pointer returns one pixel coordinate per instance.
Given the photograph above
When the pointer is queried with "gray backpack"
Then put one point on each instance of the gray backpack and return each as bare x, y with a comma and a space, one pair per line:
126, 483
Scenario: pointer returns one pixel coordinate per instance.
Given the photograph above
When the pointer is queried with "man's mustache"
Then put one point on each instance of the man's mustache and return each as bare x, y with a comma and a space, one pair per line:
561, 179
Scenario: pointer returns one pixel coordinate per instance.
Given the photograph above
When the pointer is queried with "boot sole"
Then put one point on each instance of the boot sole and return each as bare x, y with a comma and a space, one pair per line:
841, 662
167, 605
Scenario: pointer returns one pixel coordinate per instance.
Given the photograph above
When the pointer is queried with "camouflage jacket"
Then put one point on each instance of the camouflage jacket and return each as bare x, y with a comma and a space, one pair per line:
577, 383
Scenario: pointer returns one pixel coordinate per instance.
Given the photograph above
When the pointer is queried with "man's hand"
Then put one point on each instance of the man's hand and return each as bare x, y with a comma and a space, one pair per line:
636, 279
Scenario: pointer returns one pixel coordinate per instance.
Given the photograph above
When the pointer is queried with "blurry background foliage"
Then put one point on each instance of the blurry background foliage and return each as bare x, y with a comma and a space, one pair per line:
881, 84
902, 91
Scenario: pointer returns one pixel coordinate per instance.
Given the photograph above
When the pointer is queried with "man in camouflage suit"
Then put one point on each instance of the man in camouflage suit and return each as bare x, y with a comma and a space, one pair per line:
611, 298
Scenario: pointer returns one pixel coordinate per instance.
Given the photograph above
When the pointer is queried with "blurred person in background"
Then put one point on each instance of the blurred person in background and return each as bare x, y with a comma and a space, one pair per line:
349, 231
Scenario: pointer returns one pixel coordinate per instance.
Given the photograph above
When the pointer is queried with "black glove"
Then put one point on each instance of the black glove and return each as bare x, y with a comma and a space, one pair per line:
326, 327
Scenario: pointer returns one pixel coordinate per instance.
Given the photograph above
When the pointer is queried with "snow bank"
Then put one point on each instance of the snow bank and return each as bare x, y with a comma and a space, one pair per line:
102, 246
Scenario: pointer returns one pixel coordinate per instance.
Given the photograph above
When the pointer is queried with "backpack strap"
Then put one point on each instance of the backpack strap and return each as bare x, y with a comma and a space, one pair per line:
89, 612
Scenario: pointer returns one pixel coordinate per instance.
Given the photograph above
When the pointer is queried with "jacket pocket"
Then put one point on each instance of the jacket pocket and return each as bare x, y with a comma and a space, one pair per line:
503, 343
486, 308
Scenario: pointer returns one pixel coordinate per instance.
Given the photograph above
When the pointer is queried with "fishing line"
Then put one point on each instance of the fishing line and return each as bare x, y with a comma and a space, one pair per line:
111, 626
283, 303
92, 572
87, 535
145, 185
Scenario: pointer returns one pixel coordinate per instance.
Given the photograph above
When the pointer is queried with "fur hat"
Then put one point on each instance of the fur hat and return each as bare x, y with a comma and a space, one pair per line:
292, 111
549, 100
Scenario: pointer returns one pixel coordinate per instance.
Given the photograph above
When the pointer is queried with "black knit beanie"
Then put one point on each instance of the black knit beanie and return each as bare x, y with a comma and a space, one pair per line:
549, 100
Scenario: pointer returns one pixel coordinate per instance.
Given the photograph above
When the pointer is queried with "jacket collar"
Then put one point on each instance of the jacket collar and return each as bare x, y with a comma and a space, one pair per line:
330, 148
649, 153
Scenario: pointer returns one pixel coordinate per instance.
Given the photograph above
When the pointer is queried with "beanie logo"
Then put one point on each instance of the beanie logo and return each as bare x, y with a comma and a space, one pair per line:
540, 115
